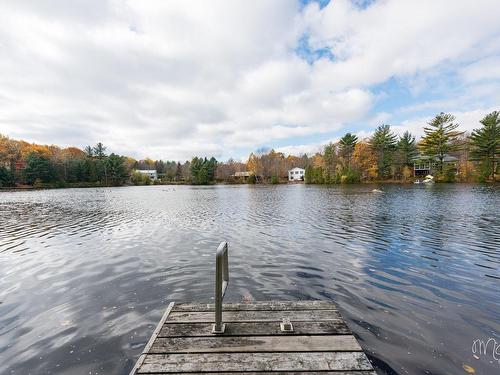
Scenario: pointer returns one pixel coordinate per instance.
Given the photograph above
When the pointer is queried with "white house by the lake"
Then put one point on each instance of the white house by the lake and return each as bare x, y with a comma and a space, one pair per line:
296, 174
153, 175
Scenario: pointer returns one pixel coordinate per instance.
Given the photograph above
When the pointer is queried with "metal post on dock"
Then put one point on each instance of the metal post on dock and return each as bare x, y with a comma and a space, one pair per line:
221, 282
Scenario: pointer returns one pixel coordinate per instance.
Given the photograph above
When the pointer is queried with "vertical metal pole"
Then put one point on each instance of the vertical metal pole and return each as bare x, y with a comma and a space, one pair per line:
221, 282
218, 295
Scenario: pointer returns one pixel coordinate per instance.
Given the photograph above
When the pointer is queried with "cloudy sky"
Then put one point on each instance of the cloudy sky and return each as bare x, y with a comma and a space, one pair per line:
173, 79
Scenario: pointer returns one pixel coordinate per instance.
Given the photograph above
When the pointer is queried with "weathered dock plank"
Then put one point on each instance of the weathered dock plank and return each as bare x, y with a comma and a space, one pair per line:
284, 361
261, 306
253, 342
254, 316
288, 373
332, 327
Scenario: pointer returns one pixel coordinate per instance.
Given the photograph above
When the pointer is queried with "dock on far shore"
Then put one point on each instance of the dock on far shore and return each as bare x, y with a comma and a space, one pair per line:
261, 337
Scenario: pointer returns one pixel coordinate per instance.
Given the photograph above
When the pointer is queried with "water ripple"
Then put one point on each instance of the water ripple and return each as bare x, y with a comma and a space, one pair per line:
86, 273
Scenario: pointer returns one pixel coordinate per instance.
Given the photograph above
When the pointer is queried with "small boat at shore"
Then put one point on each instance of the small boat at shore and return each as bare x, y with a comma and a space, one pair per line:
427, 180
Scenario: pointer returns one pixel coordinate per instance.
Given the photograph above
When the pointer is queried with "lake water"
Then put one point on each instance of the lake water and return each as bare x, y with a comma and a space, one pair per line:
87, 273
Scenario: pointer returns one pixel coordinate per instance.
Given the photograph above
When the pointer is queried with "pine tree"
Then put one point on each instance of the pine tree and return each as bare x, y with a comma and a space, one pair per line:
407, 148
440, 138
383, 143
347, 144
485, 143
178, 171
203, 170
89, 151
6, 177
330, 159
100, 151
116, 169
39, 167
211, 167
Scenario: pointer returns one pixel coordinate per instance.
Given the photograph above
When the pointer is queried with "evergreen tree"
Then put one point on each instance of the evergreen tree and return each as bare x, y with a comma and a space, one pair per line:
160, 166
89, 151
440, 138
6, 177
115, 168
407, 148
347, 144
485, 143
330, 160
39, 167
383, 143
314, 175
203, 170
195, 169
211, 167
101, 170
99, 151
178, 171
90, 170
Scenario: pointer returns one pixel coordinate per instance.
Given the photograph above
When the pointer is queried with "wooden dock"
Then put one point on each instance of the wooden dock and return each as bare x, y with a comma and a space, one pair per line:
253, 341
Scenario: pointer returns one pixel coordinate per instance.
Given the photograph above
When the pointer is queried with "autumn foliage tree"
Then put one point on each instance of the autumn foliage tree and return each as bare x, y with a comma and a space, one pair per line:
269, 165
365, 161
9, 153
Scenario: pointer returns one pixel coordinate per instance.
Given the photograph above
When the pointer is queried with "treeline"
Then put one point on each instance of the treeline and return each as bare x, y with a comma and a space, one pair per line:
198, 171
452, 154
23, 163
383, 156
388, 157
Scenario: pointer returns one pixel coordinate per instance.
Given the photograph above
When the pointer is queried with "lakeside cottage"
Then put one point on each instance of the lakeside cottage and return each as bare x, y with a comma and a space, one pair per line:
296, 174
153, 175
245, 174
424, 165
242, 175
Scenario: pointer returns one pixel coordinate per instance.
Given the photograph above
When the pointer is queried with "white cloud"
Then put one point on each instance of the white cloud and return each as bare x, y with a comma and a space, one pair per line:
397, 37
468, 121
485, 69
174, 79
309, 149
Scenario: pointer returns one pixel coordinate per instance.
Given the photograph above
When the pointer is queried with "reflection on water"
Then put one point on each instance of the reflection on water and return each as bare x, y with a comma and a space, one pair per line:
87, 273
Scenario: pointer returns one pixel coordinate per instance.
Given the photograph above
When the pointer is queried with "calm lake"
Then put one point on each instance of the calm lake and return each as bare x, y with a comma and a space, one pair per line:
87, 273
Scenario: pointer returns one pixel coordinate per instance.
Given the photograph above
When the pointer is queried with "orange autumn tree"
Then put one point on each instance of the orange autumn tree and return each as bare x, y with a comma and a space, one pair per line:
10, 153
254, 165
365, 161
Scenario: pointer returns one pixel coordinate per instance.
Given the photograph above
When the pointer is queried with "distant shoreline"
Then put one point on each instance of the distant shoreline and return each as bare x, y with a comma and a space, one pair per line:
91, 185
